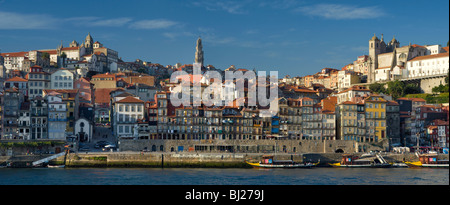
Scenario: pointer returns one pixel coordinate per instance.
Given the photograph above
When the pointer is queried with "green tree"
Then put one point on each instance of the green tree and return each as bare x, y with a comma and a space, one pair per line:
440, 89
377, 88
411, 89
64, 56
45, 56
396, 88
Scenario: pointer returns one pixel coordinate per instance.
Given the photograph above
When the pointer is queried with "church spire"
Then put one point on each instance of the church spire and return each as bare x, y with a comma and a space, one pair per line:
199, 52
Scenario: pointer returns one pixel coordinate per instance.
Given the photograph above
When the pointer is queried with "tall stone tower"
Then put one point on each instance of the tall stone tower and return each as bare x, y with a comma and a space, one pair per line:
393, 45
89, 43
374, 50
199, 52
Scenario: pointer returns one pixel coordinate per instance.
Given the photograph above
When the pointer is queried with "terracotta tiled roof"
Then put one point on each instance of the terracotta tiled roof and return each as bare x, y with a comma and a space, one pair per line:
349, 103
102, 95
415, 46
391, 102
356, 88
439, 55
106, 75
70, 48
329, 104
413, 99
147, 80
15, 54
130, 100
16, 79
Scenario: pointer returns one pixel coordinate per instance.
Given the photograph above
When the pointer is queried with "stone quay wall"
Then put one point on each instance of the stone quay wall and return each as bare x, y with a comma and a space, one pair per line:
203, 160
250, 146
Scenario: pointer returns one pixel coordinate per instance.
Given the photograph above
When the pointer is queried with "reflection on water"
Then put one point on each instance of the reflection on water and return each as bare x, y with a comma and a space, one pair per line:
156, 176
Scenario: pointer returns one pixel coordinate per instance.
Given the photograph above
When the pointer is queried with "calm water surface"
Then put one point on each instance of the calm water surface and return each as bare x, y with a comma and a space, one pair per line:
157, 176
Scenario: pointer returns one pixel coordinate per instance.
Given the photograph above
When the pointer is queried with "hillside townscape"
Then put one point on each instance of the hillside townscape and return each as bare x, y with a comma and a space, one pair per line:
84, 95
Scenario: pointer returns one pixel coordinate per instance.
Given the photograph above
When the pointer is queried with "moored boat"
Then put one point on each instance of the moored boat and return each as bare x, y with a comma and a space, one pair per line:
399, 165
429, 160
353, 161
55, 166
269, 162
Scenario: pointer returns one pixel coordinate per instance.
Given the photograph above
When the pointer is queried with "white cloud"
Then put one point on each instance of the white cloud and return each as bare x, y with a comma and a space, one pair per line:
9, 20
97, 21
111, 22
153, 24
339, 12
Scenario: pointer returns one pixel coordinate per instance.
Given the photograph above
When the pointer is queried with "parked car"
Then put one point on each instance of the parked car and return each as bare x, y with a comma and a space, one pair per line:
101, 144
109, 147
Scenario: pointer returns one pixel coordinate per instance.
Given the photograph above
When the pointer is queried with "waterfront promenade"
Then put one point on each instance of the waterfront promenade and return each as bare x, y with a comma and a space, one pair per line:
188, 159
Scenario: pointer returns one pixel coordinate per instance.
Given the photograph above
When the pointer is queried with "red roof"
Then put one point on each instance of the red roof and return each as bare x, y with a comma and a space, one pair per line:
16, 79
102, 95
70, 48
15, 54
439, 55
130, 99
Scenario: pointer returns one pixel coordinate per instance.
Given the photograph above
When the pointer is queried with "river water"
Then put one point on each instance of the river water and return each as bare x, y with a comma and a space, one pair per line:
210, 176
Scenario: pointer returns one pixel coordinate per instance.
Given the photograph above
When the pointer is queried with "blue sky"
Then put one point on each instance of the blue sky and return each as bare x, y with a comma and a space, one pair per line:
294, 37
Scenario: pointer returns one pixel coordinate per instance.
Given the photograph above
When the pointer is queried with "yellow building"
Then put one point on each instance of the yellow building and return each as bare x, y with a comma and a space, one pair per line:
375, 117
347, 122
106, 80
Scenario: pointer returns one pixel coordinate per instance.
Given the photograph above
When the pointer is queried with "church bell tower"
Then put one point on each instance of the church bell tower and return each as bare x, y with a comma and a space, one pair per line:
199, 52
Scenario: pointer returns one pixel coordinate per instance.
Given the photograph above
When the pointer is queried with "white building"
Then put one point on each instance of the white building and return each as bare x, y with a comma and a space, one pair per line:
347, 78
16, 61
428, 65
24, 121
351, 93
434, 49
126, 113
38, 80
62, 79
84, 130
57, 116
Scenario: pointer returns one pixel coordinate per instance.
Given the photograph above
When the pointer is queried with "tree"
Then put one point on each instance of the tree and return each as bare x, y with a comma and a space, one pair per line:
64, 56
440, 89
411, 89
45, 56
396, 88
377, 88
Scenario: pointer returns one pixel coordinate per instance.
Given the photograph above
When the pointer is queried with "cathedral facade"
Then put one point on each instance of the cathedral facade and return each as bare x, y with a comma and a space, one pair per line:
387, 61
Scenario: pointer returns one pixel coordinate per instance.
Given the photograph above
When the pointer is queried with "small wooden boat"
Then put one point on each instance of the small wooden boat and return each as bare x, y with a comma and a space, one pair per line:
269, 162
429, 160
352, 161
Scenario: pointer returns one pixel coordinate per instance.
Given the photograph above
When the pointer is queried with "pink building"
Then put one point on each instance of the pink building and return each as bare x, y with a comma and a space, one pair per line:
85, 88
